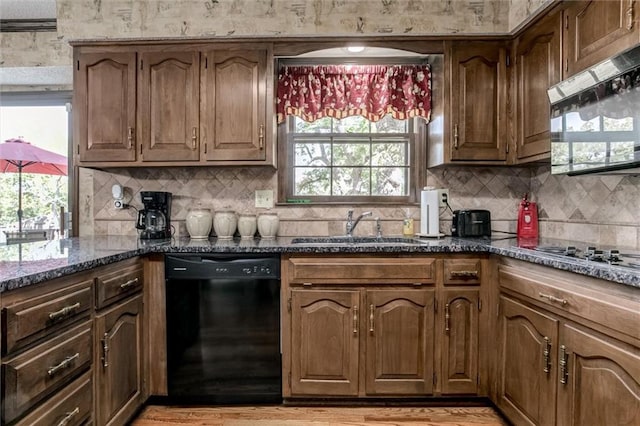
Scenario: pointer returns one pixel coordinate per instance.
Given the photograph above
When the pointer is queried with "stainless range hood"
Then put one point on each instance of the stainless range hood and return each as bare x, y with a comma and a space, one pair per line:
595, 118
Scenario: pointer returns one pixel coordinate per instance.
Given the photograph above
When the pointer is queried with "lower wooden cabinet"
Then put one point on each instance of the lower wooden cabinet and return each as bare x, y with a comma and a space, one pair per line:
118, 362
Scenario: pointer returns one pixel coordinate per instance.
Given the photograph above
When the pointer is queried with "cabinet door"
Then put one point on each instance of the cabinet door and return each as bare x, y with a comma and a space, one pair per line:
460, 343
597, 30
399, 357
478, 99
324, 342
538, 66
169, 106
601, 385
118, 363
234, 86
105, 106
527, 388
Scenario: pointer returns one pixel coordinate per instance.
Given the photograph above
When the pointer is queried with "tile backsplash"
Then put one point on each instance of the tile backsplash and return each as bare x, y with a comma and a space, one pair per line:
599, 209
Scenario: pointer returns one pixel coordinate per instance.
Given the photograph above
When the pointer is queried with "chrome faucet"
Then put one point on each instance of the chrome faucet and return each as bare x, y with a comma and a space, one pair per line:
351, 224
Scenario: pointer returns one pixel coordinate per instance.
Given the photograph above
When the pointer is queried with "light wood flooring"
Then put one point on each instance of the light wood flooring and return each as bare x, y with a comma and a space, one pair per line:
319, 416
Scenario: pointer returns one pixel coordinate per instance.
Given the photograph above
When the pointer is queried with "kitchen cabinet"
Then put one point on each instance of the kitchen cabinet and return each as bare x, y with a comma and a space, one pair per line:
569, 348
104, 106
235, 105
538, 66
163, 105
597, 30
168, 105
119, 369
478, 97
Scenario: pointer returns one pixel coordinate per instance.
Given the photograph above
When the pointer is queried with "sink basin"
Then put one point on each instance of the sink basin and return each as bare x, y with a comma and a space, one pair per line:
356, 241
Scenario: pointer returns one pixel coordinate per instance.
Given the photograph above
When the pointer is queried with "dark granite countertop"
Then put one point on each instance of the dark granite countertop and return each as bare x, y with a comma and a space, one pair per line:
30, 263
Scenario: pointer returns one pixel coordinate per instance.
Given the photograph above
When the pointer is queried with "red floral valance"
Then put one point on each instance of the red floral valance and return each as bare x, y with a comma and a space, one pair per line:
339, 91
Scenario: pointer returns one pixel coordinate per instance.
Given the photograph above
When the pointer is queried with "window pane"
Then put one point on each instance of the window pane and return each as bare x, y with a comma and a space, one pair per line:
322, 125
577, 124
589, 152
560, 153
355, 124
312, 181
610, 124
556, 124
621, 151
389, 154
389, 181
349, 153
389, 125
312, 153
351, 181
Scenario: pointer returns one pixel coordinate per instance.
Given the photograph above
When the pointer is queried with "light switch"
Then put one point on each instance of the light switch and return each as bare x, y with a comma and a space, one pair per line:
264, 198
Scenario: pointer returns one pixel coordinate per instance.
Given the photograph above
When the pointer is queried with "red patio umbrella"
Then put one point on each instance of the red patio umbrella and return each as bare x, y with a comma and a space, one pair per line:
17, 155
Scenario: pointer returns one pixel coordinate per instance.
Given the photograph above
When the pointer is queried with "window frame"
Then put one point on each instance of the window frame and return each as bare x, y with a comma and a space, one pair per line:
417, 130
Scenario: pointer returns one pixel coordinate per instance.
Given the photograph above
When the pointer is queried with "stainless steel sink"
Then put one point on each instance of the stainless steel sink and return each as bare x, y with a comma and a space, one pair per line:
356, 241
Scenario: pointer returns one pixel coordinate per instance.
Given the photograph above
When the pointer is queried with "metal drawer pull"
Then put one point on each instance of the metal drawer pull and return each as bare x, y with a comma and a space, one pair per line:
355, 320
371, 310
564, 373
551, 298
546, 352
129, 283
63, 364
447, 317
105, 351
63, 312
67, 418
464, 274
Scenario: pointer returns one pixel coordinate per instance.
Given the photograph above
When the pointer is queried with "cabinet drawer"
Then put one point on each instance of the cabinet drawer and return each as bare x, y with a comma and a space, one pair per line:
355, 270
70, 406
116, 285
38, 316
581, 297
462, 271
36, 373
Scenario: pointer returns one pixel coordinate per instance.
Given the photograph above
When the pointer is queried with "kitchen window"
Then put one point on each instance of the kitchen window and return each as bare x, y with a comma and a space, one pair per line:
347, 138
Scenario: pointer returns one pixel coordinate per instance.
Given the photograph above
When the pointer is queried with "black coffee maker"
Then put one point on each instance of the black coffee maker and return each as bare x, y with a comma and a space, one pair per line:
154, 219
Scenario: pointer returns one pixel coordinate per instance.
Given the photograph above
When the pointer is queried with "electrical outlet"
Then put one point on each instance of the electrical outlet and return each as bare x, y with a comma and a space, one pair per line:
443, 197
264, 199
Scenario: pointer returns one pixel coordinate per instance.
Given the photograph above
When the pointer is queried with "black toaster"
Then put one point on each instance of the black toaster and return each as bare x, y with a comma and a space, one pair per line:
471, 223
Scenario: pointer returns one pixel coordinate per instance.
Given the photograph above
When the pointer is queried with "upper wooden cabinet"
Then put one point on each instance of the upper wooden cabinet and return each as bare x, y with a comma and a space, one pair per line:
234, 98
478, 94
538, 59
104, 100
597, 30
158, 105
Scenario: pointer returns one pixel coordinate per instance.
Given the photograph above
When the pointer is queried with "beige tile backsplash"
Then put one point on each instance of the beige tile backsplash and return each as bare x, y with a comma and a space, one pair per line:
598, 209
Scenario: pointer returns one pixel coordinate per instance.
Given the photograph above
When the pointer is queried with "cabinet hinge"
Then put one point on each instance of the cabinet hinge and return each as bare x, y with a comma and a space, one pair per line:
289, 304
417, 284
78, 149
508, 59
435, 306
205, 148
566, 22
78, 65
289, 379
307, 284
435, 379
140, 63
507, 148
479, 305
206, 62
478, 379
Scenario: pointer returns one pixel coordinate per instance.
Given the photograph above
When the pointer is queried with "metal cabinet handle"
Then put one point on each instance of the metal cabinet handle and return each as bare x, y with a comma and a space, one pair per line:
564, 373
130, 136
455, 136
551, 298
355, 320
129, 283
463, 274
261, 136
629, 14
546, 353
63, 364
54, 316
67, 418
194, 137
371, 312
105, 350
447, 317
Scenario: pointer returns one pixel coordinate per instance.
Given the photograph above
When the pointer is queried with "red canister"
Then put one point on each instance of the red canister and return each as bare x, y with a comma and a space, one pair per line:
527, 229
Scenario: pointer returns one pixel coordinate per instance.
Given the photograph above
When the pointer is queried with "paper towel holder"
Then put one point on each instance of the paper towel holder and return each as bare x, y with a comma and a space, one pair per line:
429, 213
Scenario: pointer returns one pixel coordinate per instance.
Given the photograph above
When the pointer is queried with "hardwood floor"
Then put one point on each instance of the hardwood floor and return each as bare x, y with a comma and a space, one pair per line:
319, 416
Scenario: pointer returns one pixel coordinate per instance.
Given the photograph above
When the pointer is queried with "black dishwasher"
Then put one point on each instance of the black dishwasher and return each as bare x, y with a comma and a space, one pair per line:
223, 329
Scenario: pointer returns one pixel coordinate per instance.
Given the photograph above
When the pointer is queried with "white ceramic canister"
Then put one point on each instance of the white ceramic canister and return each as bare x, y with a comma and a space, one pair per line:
247, 225
268, 224
224, 223
199, 221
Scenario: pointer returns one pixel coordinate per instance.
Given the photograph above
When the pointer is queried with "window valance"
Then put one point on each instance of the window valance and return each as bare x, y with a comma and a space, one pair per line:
339, 91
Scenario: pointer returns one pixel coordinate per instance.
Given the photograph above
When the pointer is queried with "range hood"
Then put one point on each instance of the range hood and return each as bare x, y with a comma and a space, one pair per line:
595, 118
